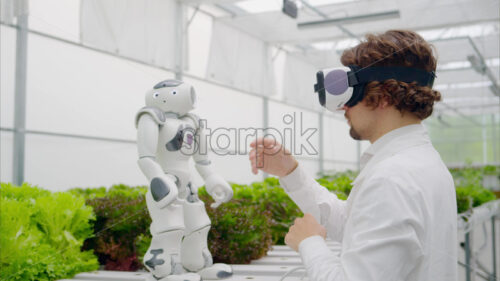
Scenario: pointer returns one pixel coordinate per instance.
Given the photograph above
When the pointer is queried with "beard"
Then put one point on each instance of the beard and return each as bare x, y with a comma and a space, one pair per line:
354, 134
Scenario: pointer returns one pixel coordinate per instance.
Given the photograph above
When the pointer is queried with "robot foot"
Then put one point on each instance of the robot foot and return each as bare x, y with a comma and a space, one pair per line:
182, 277
216, 272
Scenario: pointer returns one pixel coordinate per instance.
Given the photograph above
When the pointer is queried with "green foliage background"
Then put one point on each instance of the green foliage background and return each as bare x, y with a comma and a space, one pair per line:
41, 234
122, 222
54, 235
462, 139
469, 188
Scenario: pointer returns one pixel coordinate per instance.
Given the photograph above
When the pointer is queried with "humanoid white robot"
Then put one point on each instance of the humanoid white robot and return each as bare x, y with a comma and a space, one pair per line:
167, 137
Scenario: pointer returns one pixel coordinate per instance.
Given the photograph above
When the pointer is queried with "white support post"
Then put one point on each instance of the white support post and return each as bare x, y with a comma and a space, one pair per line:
485, 139
494, 129
265, 121
321, 144
180, 46
20, 100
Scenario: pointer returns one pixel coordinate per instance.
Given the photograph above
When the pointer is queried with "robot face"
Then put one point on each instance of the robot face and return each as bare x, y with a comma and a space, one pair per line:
172, 96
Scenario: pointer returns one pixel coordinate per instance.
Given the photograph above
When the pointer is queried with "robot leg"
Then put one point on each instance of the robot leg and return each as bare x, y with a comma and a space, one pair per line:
163, 258
195, 255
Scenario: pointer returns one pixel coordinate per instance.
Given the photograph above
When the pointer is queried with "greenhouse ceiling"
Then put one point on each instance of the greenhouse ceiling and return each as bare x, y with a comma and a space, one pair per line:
465, 34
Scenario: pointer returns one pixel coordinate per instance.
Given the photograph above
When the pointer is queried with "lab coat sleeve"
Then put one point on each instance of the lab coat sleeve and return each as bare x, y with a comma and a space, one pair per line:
384, 240
315, 199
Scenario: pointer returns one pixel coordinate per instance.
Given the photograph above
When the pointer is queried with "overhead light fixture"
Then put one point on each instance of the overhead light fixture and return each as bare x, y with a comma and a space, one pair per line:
479, 65
290, 8
352, 19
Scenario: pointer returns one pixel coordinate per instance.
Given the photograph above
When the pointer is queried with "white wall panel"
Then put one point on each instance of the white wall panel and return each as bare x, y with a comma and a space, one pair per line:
58, 163
79, 91
233, 168
298, 79
240, 60
279, 62
226, 111
199, 35
7, 75
142, 30
310, 166
332, 167
60, 18
337, 142
6, 150
299, 129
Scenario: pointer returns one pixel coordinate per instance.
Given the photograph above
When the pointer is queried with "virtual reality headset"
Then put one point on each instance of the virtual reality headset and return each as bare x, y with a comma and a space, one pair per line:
341, 86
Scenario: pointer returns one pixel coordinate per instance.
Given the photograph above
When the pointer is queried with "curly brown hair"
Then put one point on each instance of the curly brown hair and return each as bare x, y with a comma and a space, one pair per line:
396, 48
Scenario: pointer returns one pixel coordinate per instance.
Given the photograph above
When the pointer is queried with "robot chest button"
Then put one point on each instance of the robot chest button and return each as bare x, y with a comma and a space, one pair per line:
176, 143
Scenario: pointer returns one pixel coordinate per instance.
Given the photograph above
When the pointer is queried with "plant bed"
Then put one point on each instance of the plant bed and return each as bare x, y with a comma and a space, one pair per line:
75, 231
42, 234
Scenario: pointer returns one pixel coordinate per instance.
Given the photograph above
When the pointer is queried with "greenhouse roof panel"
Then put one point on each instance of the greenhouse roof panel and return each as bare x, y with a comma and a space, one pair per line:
417, 15
462, 75
467, 28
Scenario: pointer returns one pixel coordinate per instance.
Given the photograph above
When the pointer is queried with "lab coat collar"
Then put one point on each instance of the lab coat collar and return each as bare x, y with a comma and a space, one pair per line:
389, 144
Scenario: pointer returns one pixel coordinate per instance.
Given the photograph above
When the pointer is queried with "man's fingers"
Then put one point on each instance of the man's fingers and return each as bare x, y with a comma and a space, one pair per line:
253, 160
308, 216
258, 157
266, 142
254, 167
256, 163
275, 149
255, 155
269, 142
253, 163
261, 147
254, 152
254, 170
251, 154
253, 143
323, 232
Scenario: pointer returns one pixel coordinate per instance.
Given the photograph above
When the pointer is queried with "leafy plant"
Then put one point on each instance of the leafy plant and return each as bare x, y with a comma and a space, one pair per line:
243, 229
491, 170
142, 243
240, 231
26, 192
121, 217
469, 189
42, 233
284, 211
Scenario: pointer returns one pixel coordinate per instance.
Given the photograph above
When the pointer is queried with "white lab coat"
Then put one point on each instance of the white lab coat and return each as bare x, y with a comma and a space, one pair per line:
399, 222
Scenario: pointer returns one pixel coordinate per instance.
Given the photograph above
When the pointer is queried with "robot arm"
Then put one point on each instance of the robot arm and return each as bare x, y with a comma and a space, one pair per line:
162, 187
147, 140
216, 186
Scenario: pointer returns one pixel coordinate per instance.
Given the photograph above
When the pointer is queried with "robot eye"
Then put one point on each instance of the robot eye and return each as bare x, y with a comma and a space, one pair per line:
155, 95
174, 92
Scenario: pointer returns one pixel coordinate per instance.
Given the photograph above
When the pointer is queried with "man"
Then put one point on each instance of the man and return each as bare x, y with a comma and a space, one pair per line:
399, 222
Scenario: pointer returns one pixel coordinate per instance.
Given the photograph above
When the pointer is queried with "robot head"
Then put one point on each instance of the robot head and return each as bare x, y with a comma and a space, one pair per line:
172, 96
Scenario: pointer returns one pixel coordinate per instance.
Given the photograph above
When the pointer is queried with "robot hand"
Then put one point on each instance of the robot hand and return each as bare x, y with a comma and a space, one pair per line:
219, 189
